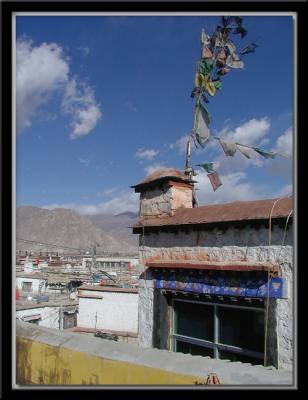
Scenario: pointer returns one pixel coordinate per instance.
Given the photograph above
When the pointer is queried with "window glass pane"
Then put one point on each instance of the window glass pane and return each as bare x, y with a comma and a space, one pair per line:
194, 320
241, 328
195, 350
27, 286
227, 355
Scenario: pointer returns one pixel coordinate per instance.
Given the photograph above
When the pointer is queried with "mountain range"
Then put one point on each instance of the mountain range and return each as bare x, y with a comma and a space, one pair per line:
37, 229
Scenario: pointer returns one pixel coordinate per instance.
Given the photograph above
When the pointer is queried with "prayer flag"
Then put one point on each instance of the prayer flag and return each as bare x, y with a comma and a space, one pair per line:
209, 167
249, 48
214, 179
206, 52
244, 150
228, 147
264, 153
233, 61
201, 125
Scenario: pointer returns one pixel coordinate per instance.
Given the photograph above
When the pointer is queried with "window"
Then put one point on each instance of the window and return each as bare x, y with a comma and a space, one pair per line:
222, 331
27, 286
69, 320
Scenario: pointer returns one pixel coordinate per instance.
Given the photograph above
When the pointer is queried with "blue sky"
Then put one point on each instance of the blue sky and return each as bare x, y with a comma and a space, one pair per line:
103, 101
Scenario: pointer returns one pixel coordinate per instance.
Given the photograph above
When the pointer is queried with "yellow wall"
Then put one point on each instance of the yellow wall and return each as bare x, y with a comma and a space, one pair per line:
40, 363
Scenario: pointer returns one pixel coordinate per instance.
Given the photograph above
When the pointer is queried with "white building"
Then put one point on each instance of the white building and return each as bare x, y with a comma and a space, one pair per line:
112, 263
31, 284
51, 315
108, 308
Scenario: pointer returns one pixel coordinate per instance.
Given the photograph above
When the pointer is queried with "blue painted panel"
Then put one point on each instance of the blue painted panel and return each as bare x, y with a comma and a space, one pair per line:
224, 284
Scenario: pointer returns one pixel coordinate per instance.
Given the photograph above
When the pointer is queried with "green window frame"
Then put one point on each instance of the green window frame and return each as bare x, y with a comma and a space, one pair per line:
219, 339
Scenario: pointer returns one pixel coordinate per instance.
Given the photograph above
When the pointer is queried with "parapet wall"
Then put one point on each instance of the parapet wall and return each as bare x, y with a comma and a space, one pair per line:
50, 357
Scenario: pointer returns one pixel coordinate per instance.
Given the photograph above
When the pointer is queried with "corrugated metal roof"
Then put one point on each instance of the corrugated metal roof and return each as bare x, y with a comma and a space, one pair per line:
227, 212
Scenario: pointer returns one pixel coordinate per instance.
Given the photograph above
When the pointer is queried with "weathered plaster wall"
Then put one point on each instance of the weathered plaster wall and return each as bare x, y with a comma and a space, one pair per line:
285, 314
114, 311
181, 197
145, 310
232, 244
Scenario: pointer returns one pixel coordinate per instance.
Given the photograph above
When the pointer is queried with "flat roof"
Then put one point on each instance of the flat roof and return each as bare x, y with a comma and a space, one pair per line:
98, 288
26, 305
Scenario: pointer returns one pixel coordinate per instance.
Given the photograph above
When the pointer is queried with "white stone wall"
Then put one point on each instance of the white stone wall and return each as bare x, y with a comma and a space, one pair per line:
145, 312
115, 311
232, 244
49, 316
35, 283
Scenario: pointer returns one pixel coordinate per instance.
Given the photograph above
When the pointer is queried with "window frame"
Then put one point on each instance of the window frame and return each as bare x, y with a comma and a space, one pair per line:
216, 346
27, 283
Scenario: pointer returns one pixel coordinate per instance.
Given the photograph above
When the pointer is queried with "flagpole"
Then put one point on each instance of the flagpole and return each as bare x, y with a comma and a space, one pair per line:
188, 169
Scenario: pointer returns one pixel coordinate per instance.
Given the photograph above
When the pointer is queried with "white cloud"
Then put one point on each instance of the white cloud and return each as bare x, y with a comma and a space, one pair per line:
41, 72
282, 165
130, 106
286, 190
125, 201
250, 132
235, 187
146, 154
180, 144
84, 49
284, 143
84, 161
111, 191
79, 102
154, 167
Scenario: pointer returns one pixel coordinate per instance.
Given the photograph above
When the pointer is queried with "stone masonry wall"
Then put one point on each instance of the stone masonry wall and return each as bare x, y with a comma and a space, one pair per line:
164, 201
155, 203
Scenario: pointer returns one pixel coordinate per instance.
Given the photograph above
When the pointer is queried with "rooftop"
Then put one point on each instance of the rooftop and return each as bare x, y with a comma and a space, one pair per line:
162, 175
54, 301
137, 365
98, 288
227, 212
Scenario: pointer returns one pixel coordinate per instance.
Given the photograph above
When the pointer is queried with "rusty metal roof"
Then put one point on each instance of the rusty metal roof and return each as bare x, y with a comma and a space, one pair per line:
163, 174
227, 212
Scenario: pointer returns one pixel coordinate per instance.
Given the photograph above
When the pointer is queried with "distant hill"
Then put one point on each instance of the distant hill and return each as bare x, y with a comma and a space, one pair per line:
65, 227
118, 226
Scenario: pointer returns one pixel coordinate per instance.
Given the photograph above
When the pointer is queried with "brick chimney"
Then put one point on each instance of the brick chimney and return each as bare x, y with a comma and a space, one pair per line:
163, 192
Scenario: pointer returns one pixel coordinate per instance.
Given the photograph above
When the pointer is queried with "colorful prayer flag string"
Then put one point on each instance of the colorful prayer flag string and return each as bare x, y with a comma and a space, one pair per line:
218, 56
